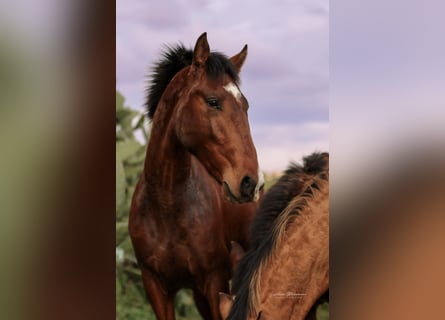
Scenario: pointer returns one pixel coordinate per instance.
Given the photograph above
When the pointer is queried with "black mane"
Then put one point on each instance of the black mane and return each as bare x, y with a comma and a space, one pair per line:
174, 59
273, 203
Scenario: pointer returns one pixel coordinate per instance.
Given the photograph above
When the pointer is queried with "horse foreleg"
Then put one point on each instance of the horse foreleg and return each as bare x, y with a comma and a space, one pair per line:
160, 299
202, 305
216, 283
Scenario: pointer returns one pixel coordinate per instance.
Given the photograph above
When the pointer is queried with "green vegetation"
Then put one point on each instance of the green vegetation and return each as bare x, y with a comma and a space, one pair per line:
323, 311
130, 296
270, 179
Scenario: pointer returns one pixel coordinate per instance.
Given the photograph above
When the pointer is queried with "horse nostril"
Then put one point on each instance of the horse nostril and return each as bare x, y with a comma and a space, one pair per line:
247, 187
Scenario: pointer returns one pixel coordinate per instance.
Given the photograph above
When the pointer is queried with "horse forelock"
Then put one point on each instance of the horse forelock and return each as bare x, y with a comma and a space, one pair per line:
174, 59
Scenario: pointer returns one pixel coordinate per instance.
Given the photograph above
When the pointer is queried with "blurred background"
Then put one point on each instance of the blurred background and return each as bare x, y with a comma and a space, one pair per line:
58, 133
31, 117
387, 143
57, 138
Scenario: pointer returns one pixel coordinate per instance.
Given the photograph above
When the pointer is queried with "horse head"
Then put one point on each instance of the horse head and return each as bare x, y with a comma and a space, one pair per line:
211, 121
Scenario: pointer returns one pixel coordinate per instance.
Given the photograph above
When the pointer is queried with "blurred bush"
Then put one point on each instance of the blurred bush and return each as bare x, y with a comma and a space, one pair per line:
130, 296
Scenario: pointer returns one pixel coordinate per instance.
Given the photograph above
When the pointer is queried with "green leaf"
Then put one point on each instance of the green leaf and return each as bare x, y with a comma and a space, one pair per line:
119, 101
120, 136
126, 149
140, 123
121, 231
124, 117
137, 159
121, 186
130, 192
132, 173
322, 312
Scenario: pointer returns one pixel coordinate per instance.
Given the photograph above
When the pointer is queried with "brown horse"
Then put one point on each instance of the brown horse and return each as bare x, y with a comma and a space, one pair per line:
200, 178
287, 269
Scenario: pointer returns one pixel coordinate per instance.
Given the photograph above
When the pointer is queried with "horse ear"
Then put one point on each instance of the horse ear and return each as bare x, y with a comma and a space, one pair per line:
202, 51
236, 253
225, 305
238, 59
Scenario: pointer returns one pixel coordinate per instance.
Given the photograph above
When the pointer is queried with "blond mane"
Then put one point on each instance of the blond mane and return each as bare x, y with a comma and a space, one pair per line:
291, 214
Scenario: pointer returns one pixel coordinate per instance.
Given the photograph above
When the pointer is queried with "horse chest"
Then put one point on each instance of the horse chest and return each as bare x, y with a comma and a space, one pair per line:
182, 242
181, 230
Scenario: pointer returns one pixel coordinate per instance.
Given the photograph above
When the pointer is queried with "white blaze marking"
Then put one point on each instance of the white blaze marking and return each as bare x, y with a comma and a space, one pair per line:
259, 185
233, 89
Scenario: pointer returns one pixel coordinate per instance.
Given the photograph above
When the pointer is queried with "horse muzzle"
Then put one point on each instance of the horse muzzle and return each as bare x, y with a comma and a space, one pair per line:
249, 190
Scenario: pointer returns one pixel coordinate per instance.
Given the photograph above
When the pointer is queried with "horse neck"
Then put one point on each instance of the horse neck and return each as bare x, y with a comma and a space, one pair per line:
167, 162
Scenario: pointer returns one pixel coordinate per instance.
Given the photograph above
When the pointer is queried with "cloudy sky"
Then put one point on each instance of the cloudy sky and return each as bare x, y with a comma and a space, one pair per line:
387, 80
285, 77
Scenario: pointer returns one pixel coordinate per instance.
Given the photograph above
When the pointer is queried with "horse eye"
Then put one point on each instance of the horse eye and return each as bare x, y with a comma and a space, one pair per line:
214, 103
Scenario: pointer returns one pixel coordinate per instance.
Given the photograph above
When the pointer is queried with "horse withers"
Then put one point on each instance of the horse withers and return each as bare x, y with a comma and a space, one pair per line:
200, 181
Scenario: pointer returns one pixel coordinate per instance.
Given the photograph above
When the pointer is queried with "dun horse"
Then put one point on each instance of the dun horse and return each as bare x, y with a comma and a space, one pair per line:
287, 269
200, 179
